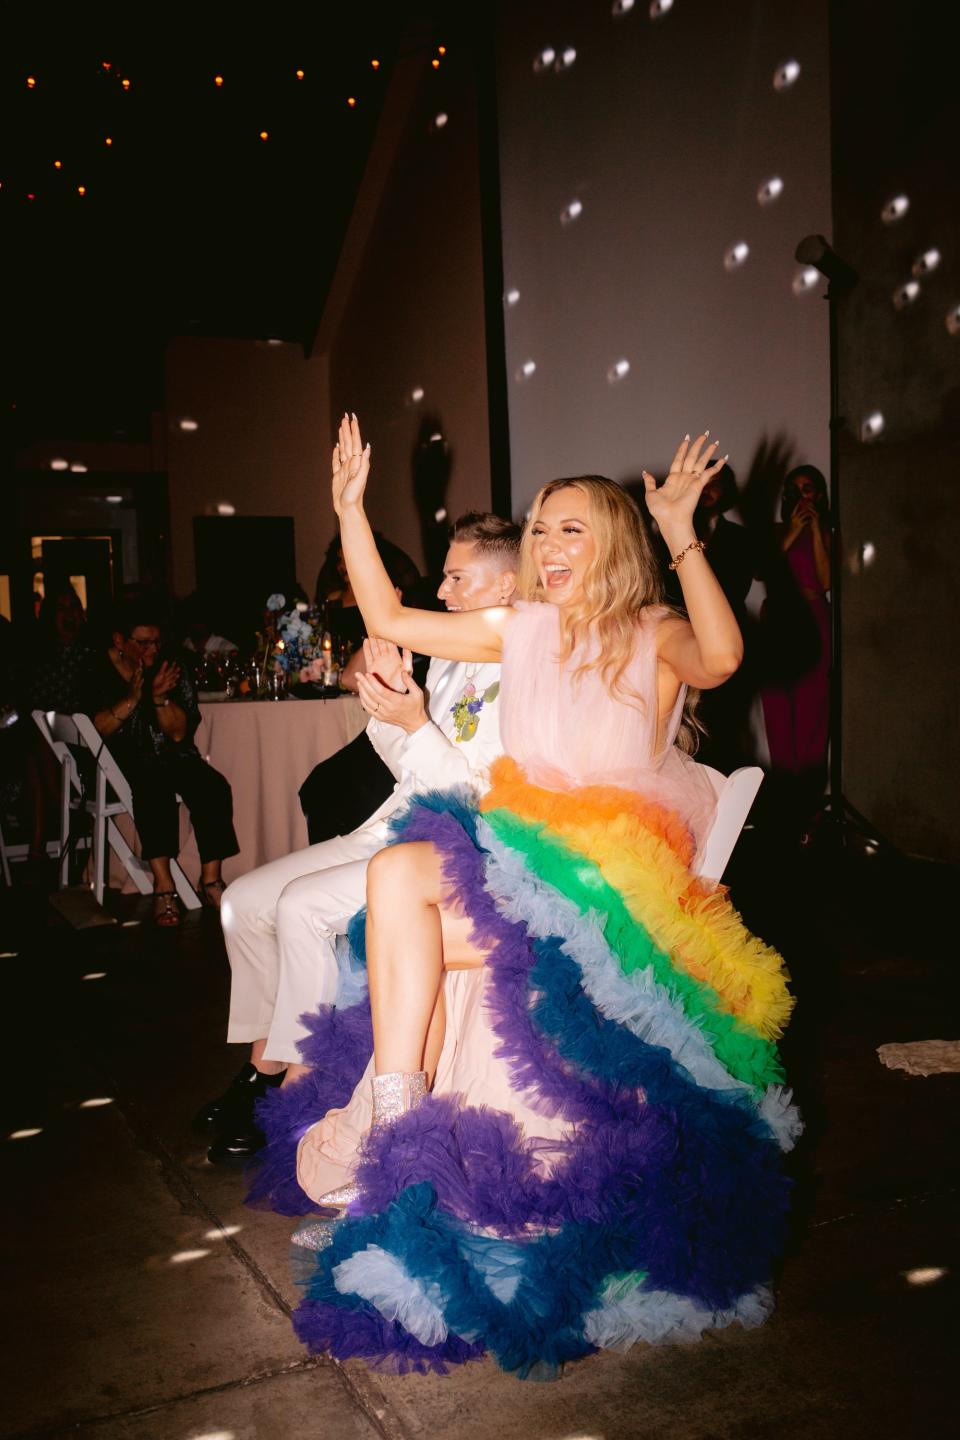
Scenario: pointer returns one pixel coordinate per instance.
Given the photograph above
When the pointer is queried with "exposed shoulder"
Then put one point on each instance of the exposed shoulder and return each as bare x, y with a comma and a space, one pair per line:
669, 626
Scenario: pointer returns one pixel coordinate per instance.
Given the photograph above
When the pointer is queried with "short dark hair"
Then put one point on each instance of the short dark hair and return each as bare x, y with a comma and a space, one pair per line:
132, 613
490, 534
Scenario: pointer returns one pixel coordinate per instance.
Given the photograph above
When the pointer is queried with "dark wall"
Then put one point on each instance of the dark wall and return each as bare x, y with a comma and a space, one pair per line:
896, 127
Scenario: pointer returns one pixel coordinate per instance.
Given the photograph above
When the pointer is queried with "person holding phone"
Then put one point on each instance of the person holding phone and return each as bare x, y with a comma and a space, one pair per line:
144, 705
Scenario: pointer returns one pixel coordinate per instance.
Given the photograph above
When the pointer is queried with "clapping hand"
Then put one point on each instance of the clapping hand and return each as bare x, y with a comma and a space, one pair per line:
673, 503
384, 661
388, 690
165, 679
351, 465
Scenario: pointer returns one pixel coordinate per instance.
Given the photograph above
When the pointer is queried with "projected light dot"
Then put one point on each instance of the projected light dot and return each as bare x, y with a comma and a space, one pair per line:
618, 371
926, 263
440, 515
566, 58
188, 425
439, 121
78, 469
924, 1274
95, 975
183, 1257
512, 297
770, 190
544, 60
905, 295
786, 75
225, 508
952, 320
736, 255
113, 499
96, 1103
622, 7
659, 8
274, 340
805, 280
895, 209
222, 1232
436, 438
416, 394
59, 464
25, 1134
872, 426
868, 552
571, 212
527, 369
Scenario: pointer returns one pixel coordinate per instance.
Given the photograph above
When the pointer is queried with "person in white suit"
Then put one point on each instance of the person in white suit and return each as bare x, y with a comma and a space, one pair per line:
281, 920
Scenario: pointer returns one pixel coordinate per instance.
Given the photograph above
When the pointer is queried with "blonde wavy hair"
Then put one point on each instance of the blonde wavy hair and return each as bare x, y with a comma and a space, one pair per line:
622, 580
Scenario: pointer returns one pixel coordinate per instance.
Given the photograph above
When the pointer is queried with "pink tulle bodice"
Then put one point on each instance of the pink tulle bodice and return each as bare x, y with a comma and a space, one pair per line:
567, 730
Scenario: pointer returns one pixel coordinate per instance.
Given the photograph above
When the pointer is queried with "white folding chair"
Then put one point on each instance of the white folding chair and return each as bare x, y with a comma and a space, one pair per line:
735, 795
110, 779
60, 733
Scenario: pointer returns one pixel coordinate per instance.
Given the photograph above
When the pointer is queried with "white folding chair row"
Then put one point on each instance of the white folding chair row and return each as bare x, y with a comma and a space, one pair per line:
111, 797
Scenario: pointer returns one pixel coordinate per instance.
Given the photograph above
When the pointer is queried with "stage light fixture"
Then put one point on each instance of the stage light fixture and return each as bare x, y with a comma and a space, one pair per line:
565, 59
659, 8
786, 75
512, 296
872, 426
618, 371
736, 255
895, 209
952, 320
527, 369
544, 60
815, 250
571, 212
905, 294
926, 263
770, 190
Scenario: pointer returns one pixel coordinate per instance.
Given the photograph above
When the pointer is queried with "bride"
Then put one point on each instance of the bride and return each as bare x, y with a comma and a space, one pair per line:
568, 1133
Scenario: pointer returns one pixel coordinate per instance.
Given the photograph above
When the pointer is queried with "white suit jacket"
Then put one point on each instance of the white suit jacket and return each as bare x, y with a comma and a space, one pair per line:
432, 757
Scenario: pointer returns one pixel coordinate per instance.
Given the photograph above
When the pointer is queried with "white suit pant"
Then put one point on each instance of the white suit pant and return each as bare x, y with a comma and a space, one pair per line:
279, 923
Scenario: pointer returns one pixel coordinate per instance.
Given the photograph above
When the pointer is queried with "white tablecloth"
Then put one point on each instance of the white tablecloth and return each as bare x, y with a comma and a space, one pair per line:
266, 749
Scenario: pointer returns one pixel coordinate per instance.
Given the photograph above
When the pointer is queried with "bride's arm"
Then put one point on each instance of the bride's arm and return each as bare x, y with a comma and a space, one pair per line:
707, 650
466, 635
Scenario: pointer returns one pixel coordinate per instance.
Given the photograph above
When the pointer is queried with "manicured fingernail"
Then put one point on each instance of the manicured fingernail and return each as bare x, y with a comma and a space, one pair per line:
686, 437
706, 434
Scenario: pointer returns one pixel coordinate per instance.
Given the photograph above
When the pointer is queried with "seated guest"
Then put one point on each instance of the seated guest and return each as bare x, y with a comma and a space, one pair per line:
60, 654
344, 620
198, 632
145, 708
280, 921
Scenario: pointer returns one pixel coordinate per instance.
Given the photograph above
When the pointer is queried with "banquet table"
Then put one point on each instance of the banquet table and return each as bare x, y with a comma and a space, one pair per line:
266, 749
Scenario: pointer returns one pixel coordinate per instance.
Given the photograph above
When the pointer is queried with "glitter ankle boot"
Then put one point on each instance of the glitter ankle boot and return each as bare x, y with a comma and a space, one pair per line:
393, 1096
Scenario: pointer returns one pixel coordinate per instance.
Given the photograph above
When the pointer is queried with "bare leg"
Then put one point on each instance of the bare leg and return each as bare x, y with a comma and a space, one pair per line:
267, 1067
409, 939
162, 878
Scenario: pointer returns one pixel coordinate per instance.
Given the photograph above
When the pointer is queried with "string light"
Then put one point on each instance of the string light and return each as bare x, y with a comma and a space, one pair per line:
218, 81
81, 189
106, 64
352, 100
108, 140
299, 74
31, 83
436, 64
31, 196
58, 164
264, 135
441, 49
375, 64
125, 83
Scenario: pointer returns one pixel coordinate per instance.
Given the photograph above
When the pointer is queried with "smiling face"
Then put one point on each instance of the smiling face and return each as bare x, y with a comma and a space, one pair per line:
472, 581
563, 544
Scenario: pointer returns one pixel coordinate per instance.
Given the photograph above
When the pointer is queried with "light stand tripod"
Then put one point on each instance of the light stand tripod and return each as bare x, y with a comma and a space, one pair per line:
841, 819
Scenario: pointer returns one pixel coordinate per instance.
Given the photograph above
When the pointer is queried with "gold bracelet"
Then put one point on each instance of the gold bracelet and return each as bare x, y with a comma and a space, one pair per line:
694, 545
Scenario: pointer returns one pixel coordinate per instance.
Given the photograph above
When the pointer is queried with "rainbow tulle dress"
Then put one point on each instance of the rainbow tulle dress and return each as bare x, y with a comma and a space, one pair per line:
599, 1161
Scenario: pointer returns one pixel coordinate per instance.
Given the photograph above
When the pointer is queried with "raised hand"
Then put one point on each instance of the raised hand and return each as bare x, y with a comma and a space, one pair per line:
136, 685
406, 708
387, 663
165, 679
351, 465
673, 503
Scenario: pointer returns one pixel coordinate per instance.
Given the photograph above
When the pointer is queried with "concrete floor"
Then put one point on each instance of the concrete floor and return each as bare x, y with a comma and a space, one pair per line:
143, 1300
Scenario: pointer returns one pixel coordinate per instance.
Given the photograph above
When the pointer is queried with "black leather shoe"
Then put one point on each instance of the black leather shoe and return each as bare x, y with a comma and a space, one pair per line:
236, 1145
234, 1108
